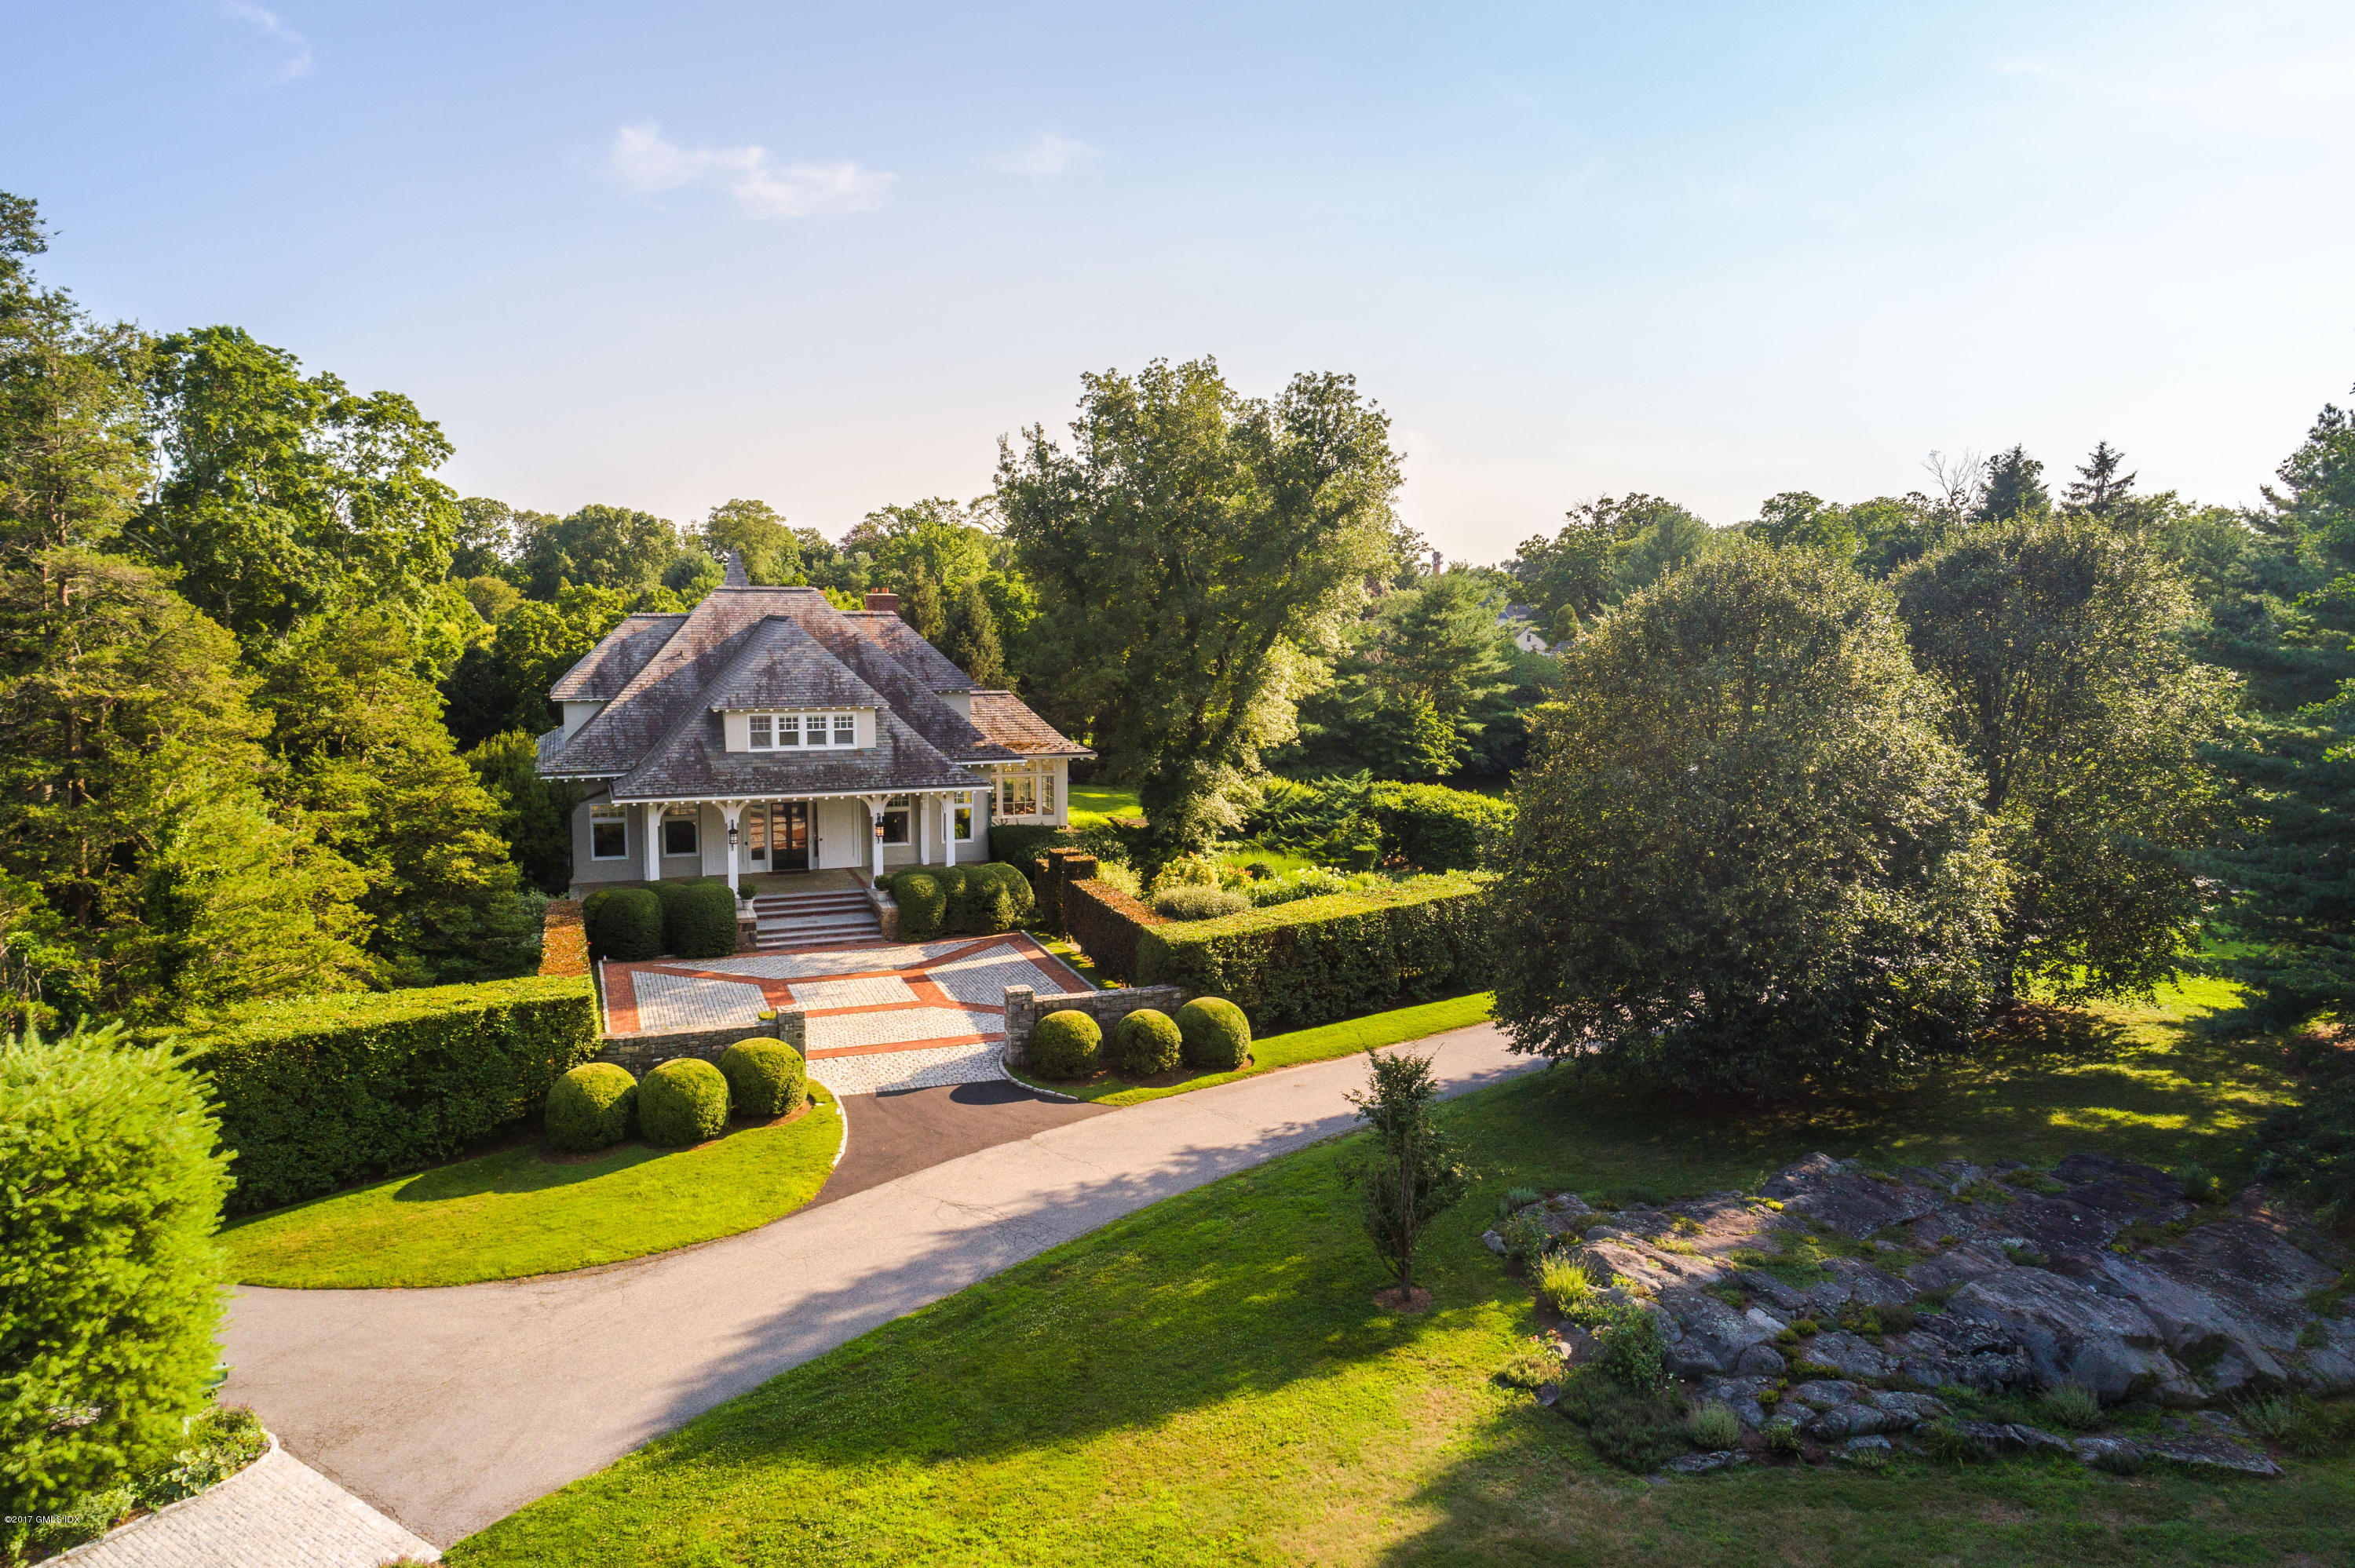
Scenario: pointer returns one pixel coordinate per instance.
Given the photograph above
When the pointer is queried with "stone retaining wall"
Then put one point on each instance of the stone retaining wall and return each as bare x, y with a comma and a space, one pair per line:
642, 1052
1025, 1007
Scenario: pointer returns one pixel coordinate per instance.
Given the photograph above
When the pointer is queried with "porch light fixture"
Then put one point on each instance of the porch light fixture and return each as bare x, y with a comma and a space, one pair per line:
731, 835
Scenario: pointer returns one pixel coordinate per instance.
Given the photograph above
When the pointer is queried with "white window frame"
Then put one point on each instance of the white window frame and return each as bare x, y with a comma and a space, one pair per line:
961, 824
693, 817
1018, 794
904, 807
619, 816
828, 730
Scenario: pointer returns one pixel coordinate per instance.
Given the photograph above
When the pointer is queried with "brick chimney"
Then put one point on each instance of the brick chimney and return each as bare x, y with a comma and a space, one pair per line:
888, 603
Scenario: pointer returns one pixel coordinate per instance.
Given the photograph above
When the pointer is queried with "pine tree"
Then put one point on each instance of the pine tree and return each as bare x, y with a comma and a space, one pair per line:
2014, 488
2098, 488
920, 608
1410, 1175
970, 639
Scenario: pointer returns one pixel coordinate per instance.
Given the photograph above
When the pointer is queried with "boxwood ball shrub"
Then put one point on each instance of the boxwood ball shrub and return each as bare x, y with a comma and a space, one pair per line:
110, 1188
1146, 1041
589, 1108
1065, 1044
1216, 1033
683, 1101
765, 1077
700, 920
922, 903
626, 924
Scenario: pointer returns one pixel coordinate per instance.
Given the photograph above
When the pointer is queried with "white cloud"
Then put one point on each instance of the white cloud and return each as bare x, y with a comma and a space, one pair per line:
298, 48
646, 163
1047, 154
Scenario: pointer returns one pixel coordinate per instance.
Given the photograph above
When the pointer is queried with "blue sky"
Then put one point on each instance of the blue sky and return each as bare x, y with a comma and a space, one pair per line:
826, 255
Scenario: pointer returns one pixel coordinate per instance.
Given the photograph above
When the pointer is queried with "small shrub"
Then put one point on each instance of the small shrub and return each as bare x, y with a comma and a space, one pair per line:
1635, 1434
1806, 1326
2025, 1256
1216, 1035
222, 1441
1713, 1426
1186, 871
765, 1077
2271, 1419
1949, 1443
1535, 1365
1781, 1438
590, 1108
2073, 1406
1146, 1041
1633, 1352
1566, 1287
1191, 903
1116, 874
682, 1102
2200, 1186
1896, 1319
1520, 1197
1258, 870
923, 905
1525, 1242
1065, 1044
626, 924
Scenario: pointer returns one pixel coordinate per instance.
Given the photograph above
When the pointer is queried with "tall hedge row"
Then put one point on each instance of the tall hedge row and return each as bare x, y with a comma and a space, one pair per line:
1107, 925
1316, 959
317, 1092
1434, 828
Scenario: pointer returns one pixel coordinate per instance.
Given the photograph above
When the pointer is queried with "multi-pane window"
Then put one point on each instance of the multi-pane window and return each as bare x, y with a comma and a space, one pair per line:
895, 819
770, 732
1017, 795
964, 824
679, 835
609, 832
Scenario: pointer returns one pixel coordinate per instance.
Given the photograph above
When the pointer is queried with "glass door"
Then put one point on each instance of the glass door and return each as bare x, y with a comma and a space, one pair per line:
789, 834
756, 836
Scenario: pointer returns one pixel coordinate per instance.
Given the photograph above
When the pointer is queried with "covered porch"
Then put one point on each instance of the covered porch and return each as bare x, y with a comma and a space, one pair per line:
785, 838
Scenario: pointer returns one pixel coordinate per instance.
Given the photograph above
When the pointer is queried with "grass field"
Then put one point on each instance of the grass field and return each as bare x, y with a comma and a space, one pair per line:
503, 1215
1210, 1382
1096, 802
1322, 1043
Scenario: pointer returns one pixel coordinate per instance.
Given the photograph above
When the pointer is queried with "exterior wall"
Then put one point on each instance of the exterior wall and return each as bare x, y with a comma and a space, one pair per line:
642, 1052
961, 701
588, 872
578, 714
711, 838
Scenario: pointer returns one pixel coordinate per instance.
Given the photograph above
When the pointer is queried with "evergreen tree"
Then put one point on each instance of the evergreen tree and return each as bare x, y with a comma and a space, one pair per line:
971, 643
1409, 1172
369, 766
2099, 489
921, 607
535, 813
2014, 487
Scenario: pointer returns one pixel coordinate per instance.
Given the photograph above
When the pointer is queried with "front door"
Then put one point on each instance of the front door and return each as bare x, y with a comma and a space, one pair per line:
789, 835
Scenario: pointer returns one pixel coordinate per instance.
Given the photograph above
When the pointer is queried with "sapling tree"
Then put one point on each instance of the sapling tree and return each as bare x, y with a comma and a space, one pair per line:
1409, 1174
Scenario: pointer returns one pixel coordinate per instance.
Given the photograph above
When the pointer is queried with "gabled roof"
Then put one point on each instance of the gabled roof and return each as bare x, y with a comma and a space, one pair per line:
664, 681
1008, 720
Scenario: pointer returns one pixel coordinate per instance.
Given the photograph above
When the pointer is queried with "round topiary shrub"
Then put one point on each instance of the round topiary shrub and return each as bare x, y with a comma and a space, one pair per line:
1191, 903
1146, 1041
765, 1077
922, 903
699, 919
589, 1108
628, 924
1215, 1032
1065, 1044
1021, 898
683, 1101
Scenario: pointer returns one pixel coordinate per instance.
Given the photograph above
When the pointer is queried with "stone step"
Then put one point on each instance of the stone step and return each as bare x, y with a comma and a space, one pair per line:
778, 904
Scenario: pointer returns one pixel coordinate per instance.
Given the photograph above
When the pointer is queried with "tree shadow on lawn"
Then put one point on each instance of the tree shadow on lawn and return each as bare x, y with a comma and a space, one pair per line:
528, 1170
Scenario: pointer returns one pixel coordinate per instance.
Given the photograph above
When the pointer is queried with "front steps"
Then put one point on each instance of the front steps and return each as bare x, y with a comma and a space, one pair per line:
813, 920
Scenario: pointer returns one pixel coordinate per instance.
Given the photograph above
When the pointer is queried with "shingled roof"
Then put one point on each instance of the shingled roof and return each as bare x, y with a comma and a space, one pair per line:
667, 679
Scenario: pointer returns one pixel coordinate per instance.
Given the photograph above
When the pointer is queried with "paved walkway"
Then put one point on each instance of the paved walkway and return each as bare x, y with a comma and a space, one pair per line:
452, 1408
882, 1015
277, 1512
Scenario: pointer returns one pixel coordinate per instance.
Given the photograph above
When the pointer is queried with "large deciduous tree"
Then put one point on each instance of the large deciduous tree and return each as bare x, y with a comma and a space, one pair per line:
2056, 647
756, 532
1195, 554
1744, 860
285, 492
597, 547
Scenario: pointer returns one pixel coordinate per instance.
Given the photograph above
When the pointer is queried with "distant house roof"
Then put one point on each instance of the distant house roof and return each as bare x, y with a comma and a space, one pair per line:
1008, 720
666, 680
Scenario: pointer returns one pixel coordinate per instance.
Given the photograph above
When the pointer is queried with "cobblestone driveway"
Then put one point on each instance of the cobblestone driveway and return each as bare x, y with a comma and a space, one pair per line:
888, 1015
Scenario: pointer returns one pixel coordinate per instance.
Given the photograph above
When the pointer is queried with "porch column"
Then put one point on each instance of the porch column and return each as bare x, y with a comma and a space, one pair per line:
948, 825
653, 837
874, 804
733, 810
917, 804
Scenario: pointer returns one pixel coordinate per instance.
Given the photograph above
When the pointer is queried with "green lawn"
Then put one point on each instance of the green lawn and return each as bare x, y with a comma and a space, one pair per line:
1208, 1380
514, 1213
1094, 802
1322, 1043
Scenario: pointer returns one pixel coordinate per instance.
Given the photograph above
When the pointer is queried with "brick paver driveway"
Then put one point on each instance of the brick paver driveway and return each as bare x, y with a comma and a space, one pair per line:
882, 1015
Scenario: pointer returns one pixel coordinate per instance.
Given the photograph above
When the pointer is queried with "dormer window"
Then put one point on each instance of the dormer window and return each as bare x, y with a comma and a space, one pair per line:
774, 732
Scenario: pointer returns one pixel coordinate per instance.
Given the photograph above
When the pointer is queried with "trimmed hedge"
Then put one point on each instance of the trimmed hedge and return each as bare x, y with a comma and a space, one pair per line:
625, 924
1108, 924
1318, 959
590, 1108
1146, 1041
962, 900
1020, 847
315, 1093
1214, 1032
1065, 1044
682, 1102
1435, 828
765, 1077
110, 1188
699, 918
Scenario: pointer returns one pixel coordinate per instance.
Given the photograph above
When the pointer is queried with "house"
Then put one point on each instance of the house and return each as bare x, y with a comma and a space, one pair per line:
766, 731
1526, 636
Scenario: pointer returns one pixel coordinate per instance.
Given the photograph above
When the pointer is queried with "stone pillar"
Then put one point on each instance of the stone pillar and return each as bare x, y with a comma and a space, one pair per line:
1021, 1015
653, 812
